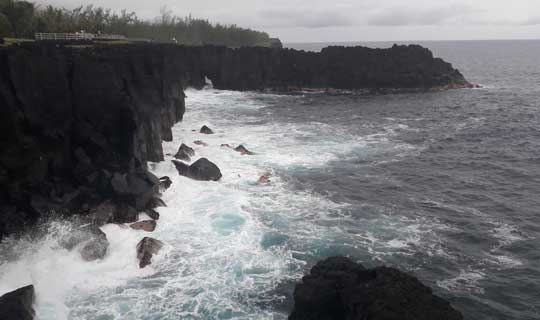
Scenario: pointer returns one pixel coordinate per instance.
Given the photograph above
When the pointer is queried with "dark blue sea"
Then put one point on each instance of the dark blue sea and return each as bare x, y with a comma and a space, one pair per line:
444, 185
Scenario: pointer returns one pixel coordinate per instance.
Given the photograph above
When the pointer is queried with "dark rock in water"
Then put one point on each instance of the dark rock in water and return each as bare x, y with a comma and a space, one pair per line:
265, 178
243, 150
152, 214
202, 169
206, 130
94, 242
18, 304
156, 202
339, 289
147, 225
183, 168
184, 153
200, 143
125, 214
226, 145
146, 248
165, 183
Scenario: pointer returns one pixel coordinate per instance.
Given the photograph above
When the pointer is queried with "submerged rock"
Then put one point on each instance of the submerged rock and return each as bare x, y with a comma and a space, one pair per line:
146, 248
243, 150
206, 130
338, 289
265, 178
17, 305
184, 153
200, 143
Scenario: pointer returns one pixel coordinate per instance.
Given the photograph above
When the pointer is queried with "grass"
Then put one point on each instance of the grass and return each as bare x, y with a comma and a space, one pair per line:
11, 41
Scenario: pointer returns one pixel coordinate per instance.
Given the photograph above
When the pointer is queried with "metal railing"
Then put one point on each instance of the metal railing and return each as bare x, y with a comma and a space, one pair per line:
79, 36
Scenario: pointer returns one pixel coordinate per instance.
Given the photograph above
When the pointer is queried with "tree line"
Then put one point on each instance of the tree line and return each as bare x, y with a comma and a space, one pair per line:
21, 19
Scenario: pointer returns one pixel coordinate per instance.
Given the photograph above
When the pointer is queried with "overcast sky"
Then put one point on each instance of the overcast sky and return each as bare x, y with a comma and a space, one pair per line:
353, 20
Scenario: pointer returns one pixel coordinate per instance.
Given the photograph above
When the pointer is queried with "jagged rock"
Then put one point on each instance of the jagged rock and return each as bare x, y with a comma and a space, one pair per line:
94, 242
156, 202
18, 304
152, 214
200, 143
202, 169
147, 225
184, 153
146, 248
243, 150
181, 167
125, 214
165, 183
206, 130
103, 213
337, 289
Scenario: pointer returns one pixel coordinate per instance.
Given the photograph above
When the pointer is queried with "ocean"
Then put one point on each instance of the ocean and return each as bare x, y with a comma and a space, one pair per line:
444, 185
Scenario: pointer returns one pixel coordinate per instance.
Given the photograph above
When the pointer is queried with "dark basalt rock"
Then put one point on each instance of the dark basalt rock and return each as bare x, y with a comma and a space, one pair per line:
243, 150
165, 183
146, 248
152, 214
125, 214
206, 130
103, 213
17, 305
202, 169
184, 153
339, 289
94, 242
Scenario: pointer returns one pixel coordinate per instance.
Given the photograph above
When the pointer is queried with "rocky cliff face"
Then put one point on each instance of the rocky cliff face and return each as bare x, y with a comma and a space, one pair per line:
77, 125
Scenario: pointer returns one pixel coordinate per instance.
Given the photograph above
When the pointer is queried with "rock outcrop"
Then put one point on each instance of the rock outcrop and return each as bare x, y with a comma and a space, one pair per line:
146, 249
147, 225
206, 130
18, 304
78, 126
339, 289
184, 153
202, 169
94, 242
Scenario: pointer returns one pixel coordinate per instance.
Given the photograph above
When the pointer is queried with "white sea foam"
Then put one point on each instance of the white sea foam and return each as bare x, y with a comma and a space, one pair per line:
468, 281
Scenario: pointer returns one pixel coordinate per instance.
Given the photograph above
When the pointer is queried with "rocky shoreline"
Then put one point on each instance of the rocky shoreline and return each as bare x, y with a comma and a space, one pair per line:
79, 125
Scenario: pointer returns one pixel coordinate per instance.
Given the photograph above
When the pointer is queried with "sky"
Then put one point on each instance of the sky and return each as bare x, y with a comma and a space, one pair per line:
352, 20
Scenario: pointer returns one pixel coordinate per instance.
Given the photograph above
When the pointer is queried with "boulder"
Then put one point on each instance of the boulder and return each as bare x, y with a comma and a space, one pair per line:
181, 167
94, 242
152, 214
184, 153
202, 169
17, 305
147, 225
243, 150
338, 288
125, 214
146, 248
200, 143
165, 183
206, 130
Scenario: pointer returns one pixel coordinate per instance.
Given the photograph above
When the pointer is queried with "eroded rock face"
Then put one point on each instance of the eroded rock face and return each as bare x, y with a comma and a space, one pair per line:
206, 130
146, 248
18, 304
338, 289
184, 153
202, 169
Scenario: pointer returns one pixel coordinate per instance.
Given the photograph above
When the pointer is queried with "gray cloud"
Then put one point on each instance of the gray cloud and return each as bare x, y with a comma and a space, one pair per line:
284, 18
400, 16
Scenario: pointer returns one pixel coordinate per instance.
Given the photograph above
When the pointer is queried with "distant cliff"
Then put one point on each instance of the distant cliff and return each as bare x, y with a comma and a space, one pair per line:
78, 125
